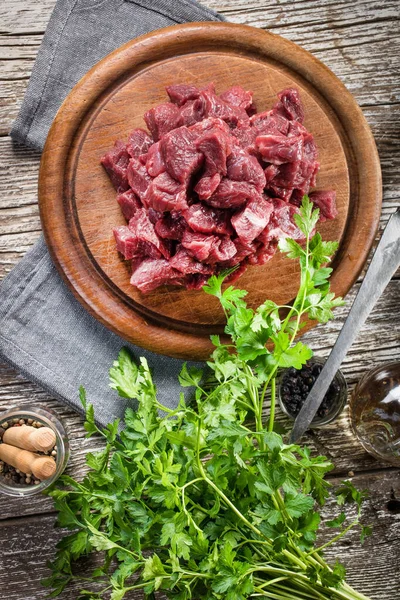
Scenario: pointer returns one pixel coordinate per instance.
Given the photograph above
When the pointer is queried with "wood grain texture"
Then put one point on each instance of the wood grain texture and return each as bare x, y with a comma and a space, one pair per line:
169, 320
359, 41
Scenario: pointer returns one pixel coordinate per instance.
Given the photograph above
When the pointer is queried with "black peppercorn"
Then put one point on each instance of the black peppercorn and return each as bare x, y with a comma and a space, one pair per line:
297, 384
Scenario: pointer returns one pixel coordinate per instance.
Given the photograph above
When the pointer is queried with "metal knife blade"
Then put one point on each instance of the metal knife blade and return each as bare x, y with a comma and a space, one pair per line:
384, 263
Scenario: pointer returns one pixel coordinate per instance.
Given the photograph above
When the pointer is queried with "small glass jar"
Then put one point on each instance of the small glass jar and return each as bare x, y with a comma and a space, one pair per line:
47, 418
375, 412
337, 403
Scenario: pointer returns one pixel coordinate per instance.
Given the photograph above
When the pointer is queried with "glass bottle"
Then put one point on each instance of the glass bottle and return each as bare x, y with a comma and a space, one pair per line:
375, 412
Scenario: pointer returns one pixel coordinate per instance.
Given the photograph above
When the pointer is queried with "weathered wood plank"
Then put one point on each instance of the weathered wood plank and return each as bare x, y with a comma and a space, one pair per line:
28, 543
19, 172
11, 95
19, 46
25, 17
306, 13
25, 218
20, 68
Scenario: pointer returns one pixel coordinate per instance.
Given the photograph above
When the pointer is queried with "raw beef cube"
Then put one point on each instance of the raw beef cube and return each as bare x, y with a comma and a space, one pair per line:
198, 244
162, 119
116, 163
281, 223
141, 226
154, 215
264, 253
243, 249
138, 178
283, 193
186, 264
191, 112
278, 149
165, 194
309, 148
126, 241
222, 250
232, 194
296, 128
154, 161
214, 106
171, 226
203, 219
215, 147
270, 122
206, 186
131, 246
180, 93
270, 173
313, 181
252, 219
151, 273
246, 137
302, 175
326, 202
243, 167
209, 124
129, 204
287, 175
237, 96
290, 105
296, 197
179, 153
195, 281
138, 143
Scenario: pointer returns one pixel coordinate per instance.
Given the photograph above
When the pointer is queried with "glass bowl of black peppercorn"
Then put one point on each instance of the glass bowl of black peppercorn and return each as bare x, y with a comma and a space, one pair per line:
294, 386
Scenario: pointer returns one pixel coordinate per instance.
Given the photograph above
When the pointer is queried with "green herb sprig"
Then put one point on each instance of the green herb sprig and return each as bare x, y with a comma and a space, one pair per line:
193, 501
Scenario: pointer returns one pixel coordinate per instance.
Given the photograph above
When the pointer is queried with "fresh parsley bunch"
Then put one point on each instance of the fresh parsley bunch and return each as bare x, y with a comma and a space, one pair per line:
195, 503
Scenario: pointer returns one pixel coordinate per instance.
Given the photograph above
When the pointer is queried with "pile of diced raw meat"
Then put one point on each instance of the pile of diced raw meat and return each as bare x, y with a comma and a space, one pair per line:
213, 185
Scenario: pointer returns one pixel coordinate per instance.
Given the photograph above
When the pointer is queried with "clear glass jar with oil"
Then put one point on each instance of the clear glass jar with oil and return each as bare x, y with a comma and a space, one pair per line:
375, 412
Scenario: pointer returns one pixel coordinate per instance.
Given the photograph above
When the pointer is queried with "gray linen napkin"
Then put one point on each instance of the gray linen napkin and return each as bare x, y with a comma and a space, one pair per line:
44, 332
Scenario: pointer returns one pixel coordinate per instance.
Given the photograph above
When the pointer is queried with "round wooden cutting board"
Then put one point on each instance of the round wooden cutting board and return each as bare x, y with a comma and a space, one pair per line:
77, 200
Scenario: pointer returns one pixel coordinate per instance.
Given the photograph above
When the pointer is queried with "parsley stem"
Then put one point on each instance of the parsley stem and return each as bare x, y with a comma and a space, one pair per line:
202, 575
306, 592
231, 505
189, 516
170, 411
272, 408
272, 581
191, 483
354, 595
334, 539
294, 559
265, 594
299, 580
139, 586
271, 375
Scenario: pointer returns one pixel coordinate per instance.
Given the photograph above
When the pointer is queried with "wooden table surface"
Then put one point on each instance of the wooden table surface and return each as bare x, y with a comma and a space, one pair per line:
359, 40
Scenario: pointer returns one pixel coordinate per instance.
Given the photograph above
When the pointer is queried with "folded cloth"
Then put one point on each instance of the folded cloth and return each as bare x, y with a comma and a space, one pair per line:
44, 332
